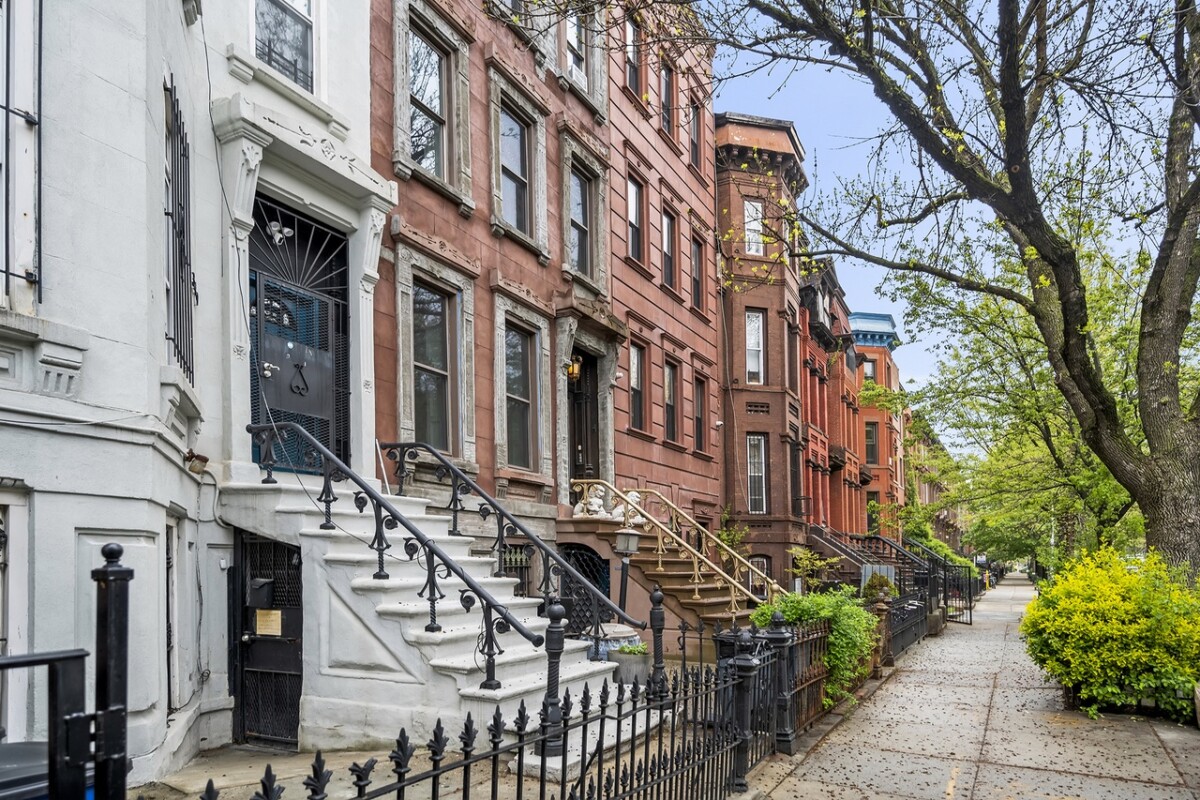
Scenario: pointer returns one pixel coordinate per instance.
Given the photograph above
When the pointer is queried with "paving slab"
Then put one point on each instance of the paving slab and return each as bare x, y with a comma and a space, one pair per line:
967, 714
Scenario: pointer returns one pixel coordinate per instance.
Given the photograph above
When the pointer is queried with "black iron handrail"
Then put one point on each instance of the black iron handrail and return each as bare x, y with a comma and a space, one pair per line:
930, 554
857, 557
507, 524
497, 618
898, 550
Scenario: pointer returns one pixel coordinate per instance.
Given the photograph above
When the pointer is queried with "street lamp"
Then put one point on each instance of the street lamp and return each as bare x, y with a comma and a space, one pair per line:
626, 545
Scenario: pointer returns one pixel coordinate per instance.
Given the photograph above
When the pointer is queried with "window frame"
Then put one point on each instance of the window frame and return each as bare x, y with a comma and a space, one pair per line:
760, 350
640, 209
671, 371
760, 503
752, 227
670, 247
634, 45
530, 401
310, 19
449, 331
509, 312
699, 284
667, 87
573, 153
414, 265
638, 376
416, 105
696, 134
700, 414
871, 442
870, 368
456, 184
504, 94
520, 175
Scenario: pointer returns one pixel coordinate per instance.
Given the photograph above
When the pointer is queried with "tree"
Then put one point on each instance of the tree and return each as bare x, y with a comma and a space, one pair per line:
1012, 128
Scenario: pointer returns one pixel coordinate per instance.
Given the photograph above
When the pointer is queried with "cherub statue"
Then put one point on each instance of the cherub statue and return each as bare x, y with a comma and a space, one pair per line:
619, 511
591, 504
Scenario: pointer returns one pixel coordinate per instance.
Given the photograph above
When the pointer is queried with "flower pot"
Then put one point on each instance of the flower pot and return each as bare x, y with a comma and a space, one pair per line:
631, 666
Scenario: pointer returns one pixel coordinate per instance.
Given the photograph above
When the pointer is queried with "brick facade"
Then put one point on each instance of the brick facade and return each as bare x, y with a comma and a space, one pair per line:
884, 431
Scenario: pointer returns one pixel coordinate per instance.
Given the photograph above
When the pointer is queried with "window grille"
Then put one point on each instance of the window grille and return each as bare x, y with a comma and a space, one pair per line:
180, 282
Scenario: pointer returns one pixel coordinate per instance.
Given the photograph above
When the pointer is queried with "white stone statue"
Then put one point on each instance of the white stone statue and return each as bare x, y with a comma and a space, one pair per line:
619, 510
591, 504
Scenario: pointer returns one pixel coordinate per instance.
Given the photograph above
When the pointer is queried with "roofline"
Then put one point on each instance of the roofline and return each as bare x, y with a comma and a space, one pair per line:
724, 117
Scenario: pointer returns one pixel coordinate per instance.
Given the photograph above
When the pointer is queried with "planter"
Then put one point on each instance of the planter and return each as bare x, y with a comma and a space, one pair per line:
631, 666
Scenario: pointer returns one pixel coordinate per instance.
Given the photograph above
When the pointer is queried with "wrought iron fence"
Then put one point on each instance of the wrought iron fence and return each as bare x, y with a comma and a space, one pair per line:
76, 739
692, 732
958, 587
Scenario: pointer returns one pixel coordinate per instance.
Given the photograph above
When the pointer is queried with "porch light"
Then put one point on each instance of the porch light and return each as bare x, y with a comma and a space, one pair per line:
627, 541
573, 368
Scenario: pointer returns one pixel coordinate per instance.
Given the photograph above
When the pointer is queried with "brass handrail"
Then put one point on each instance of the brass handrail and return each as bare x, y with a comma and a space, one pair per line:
634, 510
774, 589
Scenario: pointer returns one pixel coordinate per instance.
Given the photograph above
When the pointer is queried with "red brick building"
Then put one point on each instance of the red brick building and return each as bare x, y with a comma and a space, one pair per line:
844, 426
883, 430
769, 376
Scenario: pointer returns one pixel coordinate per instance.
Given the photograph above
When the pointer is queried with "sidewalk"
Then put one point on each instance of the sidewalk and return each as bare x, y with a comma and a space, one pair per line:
967, 715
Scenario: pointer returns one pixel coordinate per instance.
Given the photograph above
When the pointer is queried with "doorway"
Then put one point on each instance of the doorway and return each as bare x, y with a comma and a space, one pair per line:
584, 404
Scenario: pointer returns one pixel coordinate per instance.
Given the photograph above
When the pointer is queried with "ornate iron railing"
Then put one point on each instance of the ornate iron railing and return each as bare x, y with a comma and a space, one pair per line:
439, 566
630, 510
693, 732
556, 577
743, 569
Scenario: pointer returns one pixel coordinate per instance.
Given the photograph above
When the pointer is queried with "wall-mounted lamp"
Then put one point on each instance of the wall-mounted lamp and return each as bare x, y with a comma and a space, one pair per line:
573, 368
196, 463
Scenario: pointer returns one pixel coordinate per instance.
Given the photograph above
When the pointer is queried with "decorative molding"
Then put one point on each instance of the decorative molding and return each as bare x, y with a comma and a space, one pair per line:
246, 68
434, 246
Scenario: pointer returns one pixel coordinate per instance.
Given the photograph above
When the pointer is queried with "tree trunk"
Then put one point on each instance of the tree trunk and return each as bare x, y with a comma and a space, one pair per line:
1171, 507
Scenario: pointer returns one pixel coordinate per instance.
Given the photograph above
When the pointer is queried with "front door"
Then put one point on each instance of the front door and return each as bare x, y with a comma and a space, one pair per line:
268, 641
299, 348
583, 396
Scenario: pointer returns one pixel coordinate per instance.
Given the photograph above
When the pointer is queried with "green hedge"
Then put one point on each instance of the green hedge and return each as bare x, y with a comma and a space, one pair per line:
1117, 631
852, 635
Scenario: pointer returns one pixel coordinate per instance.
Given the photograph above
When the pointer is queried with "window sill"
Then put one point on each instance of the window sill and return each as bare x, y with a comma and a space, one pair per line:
670, 140
584, 281
406, 169
501, 229
703, 455
246, 68
701, 313
638, 102
593, 103
676, 446
640, 434
671, 291
521, 475
696, 173
639, 267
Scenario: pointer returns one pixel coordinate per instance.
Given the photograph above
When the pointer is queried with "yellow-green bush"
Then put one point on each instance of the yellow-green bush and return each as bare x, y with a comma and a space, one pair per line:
1118, 631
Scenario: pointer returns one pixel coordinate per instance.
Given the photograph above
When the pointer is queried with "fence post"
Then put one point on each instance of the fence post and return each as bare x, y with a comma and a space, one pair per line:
746, 666
552, 740
786, 645
658, 622
68, 729
112, 672
883, 610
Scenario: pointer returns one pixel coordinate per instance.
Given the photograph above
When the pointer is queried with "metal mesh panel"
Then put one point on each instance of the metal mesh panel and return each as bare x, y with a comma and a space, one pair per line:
272, 705
270, 559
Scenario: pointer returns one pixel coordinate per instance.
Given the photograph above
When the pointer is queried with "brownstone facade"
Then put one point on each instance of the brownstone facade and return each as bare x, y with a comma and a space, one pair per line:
883, 430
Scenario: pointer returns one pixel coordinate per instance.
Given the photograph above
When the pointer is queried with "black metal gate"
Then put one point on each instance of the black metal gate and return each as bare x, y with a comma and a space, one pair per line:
959, 592
269, 641
299, 342
582, 609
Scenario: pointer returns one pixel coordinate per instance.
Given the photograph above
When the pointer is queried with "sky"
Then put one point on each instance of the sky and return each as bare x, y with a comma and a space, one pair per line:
832, 112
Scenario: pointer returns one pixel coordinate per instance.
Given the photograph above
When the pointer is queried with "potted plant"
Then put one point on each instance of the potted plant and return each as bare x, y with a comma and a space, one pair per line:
633, 663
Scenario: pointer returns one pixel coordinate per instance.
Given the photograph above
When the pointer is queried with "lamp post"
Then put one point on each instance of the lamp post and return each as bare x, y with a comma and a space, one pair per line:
626, 545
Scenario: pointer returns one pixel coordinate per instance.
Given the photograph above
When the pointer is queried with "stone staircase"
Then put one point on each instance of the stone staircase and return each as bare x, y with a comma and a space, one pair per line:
373, 659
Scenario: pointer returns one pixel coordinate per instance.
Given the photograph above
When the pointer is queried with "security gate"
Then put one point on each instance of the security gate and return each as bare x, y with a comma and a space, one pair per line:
268, 641
959, 593
299, 343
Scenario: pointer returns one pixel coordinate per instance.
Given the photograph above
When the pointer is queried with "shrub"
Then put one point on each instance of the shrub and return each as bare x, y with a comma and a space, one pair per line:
876, 584
1117, 631
638, 649
852, 635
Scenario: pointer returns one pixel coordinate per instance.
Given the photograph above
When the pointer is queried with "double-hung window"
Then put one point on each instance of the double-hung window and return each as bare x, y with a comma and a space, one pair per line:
579, 250
667, 90
700, 415
756, 473
671, 401
697, 274
633, 56
670, 226
695, 122
433, 366
637, 382
869, 369
427, 65
753, 222
283, 38
520, 381
635, 201
872, 442
514, 170
755, 336
577, 49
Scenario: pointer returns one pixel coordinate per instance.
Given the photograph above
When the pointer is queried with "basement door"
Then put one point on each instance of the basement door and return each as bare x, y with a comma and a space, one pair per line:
268, 636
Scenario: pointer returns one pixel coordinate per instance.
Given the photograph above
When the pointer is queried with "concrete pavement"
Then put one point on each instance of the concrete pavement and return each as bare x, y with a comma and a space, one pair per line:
968, 715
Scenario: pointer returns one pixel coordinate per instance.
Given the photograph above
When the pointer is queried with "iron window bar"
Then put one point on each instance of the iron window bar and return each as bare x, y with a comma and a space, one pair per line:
33, 120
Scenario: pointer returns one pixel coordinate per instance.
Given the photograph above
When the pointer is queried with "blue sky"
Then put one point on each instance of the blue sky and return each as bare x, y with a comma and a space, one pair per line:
831, 113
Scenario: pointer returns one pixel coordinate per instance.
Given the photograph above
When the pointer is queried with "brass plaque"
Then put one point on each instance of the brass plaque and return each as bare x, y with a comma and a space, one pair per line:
268, 622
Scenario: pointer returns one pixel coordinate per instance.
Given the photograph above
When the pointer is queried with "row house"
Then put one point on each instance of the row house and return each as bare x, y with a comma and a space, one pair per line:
883, 424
